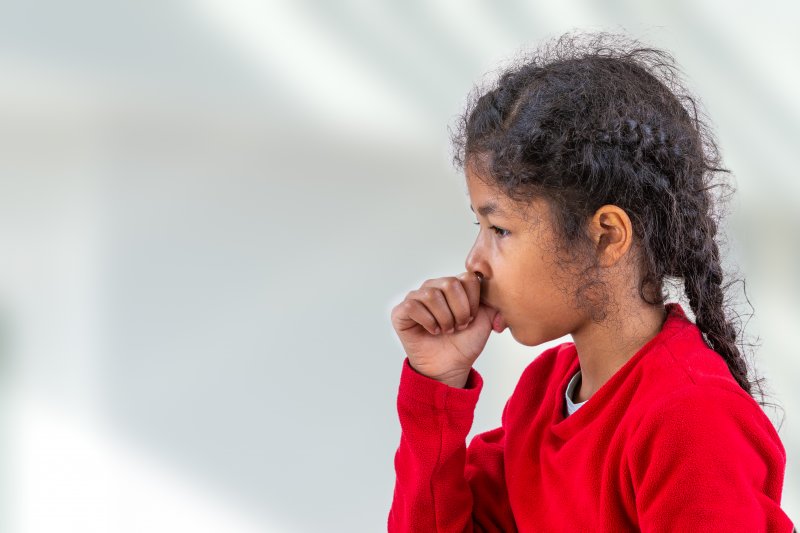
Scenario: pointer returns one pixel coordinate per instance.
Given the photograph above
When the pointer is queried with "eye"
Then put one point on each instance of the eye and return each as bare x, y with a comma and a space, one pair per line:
499, 231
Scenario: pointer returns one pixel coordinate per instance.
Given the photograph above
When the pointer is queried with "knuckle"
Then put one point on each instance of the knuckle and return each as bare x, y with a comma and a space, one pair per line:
429, 293
397, 310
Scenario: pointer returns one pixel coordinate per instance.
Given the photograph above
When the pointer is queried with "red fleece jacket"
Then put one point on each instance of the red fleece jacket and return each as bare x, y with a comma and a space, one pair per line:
669, 443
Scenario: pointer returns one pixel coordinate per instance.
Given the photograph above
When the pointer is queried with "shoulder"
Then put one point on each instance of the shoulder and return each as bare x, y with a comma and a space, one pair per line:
706, 417
704, 397
684, 392
682, 366
699, 447
685, 378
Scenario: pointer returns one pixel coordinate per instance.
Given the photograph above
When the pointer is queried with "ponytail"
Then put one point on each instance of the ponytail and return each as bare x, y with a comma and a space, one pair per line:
703, 278
701, 269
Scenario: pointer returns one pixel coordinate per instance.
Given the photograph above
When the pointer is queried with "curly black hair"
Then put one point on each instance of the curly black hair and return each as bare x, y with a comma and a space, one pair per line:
592, 119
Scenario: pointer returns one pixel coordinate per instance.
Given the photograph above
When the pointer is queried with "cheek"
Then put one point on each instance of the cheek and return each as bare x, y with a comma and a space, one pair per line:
541, 311
538, 287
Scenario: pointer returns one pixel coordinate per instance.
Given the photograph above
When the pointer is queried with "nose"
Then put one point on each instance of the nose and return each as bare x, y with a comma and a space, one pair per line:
475, 263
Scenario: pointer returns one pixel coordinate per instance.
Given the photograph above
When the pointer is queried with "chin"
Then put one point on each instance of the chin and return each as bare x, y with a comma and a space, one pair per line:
531, 338
522, 338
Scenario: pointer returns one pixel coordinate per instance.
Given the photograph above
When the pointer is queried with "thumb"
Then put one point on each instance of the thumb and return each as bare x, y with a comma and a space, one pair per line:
489, 312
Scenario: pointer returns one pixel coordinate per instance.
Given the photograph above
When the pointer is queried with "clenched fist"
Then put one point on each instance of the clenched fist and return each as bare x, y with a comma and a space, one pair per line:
443, 327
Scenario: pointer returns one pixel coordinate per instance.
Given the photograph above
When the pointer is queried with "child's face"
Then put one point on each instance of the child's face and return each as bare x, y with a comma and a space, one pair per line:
521, 278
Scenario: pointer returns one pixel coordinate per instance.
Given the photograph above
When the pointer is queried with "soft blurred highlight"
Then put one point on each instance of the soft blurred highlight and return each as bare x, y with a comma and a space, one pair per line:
208, 209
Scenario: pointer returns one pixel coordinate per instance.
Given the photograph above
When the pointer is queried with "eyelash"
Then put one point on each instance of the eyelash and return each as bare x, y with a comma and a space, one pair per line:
499, 231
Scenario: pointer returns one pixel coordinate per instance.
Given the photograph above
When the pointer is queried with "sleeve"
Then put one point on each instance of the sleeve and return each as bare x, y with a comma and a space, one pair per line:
708, 459
440, 485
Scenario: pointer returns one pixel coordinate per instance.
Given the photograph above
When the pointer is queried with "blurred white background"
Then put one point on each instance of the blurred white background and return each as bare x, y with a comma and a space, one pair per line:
208, 209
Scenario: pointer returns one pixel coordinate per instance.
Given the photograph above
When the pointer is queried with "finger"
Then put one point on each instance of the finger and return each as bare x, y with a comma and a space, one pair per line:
472, 285
410, 313
437, 304
457, 299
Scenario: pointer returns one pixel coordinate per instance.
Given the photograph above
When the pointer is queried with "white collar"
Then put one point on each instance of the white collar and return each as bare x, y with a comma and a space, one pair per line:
572, 406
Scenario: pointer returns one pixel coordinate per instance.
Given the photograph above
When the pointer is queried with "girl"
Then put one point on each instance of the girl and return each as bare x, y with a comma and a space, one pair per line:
591, 175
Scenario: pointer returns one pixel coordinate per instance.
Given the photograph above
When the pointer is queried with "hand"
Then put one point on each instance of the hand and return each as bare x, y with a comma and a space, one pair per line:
451, 304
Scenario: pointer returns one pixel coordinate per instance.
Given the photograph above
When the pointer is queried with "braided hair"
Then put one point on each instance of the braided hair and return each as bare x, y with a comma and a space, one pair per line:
593, 119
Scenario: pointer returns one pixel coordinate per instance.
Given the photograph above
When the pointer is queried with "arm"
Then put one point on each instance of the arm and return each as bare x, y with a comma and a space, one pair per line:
440, 485
708, 459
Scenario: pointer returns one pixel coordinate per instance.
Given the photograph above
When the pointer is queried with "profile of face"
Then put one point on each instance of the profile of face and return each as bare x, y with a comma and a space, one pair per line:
514, 254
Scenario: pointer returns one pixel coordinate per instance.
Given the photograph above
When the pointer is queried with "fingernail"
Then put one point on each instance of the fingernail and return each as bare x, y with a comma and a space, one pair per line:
437, 331
451, 330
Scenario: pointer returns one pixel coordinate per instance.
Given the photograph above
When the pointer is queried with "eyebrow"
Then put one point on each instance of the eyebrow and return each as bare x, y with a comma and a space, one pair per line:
489, 208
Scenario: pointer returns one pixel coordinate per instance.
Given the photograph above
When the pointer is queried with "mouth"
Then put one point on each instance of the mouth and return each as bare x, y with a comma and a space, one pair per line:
499, 323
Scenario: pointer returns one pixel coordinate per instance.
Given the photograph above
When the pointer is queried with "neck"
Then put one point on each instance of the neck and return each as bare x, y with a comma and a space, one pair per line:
605, 347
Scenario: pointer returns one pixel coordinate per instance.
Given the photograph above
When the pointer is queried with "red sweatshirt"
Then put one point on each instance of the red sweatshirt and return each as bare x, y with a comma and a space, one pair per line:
669, 443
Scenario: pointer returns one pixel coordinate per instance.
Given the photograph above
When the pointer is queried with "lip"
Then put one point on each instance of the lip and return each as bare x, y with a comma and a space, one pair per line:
499, 323
502, 324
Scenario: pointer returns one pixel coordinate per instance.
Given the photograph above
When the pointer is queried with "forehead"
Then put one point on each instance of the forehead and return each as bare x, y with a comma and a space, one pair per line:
483, 194
488, 200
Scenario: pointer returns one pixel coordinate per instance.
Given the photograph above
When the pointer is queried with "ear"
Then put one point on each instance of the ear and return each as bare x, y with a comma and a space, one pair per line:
612, 232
